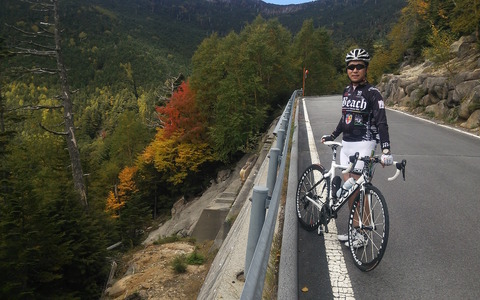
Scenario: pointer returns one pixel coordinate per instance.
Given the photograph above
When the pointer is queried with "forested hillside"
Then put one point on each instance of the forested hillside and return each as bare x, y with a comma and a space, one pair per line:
154, 97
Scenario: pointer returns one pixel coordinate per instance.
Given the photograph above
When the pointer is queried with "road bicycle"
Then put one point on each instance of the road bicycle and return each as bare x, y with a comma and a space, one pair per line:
317, 203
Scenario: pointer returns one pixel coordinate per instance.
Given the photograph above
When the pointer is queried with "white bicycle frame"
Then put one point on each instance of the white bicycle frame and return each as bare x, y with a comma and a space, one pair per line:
335, 206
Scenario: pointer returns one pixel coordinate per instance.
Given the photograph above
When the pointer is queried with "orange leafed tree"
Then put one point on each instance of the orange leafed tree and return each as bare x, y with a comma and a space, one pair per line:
126, 188
175, 158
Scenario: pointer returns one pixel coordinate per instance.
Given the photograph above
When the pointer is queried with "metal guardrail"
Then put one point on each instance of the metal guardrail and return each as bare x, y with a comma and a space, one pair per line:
259, 243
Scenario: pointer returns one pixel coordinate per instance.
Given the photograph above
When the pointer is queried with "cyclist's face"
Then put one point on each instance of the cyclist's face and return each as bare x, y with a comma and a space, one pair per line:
357, 71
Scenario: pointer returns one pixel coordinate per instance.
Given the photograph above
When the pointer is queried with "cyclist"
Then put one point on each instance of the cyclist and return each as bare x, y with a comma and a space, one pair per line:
363, 123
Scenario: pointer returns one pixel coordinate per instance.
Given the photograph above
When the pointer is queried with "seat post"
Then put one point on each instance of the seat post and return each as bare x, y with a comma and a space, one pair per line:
334, 150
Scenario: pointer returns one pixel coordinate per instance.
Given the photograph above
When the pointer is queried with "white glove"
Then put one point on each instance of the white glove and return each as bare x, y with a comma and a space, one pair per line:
387, 159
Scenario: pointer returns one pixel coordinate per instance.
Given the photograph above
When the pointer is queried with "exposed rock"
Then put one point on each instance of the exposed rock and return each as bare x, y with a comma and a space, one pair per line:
473, 121
186, 215
417, 94
411, 88
470, 103
448, 92
463, 89
474, 75
463, 46
223, 175
178, 206
119, 288
437, 88
439, 110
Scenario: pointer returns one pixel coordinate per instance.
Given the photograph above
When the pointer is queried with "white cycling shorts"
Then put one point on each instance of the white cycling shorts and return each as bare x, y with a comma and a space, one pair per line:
364, 148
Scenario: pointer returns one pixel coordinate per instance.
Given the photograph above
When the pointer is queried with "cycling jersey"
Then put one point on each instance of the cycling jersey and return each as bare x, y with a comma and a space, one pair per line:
363, 116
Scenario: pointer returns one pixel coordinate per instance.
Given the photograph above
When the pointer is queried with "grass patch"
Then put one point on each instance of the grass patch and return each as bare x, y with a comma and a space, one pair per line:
195, 258
181, 262
179, 265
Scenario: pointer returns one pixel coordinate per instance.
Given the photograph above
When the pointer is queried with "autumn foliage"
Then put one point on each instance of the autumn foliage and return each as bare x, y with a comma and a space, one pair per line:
180, 147
178, 150
180, 115
123, 191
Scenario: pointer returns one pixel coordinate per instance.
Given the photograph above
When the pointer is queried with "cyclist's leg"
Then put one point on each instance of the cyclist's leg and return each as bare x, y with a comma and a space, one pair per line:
364, 148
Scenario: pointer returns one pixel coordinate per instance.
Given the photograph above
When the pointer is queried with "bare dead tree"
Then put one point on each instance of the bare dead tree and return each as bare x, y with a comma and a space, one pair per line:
2, 112
2, 105
77, 171
163, 94
53, 49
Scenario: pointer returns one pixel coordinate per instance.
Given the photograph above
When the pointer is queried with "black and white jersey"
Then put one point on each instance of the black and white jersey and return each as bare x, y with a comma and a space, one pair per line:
363, 116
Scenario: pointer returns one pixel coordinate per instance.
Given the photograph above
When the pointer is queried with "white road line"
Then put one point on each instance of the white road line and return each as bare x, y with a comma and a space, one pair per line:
340, 281
436, 123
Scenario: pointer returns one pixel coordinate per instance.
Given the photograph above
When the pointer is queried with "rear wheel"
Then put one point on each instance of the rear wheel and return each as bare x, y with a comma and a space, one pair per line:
368, 222
312, 186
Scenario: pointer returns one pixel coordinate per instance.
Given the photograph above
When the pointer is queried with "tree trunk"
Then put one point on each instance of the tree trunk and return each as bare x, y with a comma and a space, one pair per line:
77, 171
2, 107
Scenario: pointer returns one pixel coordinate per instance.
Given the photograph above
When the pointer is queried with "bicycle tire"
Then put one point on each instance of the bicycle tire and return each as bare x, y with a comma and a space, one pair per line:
368, 257
315, 185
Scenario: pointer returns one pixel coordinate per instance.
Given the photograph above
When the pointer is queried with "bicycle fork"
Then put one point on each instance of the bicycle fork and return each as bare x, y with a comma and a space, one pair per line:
365, 213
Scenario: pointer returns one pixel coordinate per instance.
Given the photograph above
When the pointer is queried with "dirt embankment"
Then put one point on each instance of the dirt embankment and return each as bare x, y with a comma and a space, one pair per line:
151, 274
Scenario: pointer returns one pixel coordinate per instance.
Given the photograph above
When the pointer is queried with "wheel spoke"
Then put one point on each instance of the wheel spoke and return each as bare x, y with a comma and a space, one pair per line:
370, 219
311, 187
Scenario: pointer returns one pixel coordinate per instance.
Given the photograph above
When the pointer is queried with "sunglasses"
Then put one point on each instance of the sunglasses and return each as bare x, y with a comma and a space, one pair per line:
358, 67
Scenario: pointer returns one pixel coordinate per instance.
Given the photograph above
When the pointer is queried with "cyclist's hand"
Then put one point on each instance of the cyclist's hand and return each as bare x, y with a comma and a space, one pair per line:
327, 138
387, 159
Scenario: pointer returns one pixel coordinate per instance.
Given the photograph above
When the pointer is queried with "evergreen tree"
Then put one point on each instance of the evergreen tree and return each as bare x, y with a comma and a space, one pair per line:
49, 247
314, 51
52, 251
238, 81
466, 17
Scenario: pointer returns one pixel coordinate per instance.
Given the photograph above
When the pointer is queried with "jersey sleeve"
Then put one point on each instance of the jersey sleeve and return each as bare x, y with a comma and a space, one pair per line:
380, 118
339, 128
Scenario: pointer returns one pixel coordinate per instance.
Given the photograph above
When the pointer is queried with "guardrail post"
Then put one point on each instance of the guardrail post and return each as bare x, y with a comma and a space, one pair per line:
280, 138
257, 218
272, 172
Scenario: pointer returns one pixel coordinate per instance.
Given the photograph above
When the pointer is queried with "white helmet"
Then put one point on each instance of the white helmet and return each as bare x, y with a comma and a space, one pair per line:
357, 54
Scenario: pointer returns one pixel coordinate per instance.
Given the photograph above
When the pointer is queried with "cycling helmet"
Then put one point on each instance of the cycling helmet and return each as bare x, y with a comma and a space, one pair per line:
357, 54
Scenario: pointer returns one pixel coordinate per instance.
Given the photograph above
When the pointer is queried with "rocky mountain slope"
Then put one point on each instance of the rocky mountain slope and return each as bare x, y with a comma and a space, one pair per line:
448, 93
148, 272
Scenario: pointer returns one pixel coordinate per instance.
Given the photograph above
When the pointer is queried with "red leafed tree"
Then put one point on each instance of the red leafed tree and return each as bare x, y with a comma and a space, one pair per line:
180, 115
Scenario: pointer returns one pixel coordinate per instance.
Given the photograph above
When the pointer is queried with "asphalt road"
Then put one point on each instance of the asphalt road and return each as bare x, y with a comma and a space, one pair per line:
434, 244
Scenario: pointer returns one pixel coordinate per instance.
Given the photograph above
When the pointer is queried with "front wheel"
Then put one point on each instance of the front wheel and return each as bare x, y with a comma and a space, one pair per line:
312, 193
368, 229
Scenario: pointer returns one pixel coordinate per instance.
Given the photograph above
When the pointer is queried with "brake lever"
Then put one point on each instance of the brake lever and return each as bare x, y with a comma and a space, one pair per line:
400, 168
404, 164
353, 161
